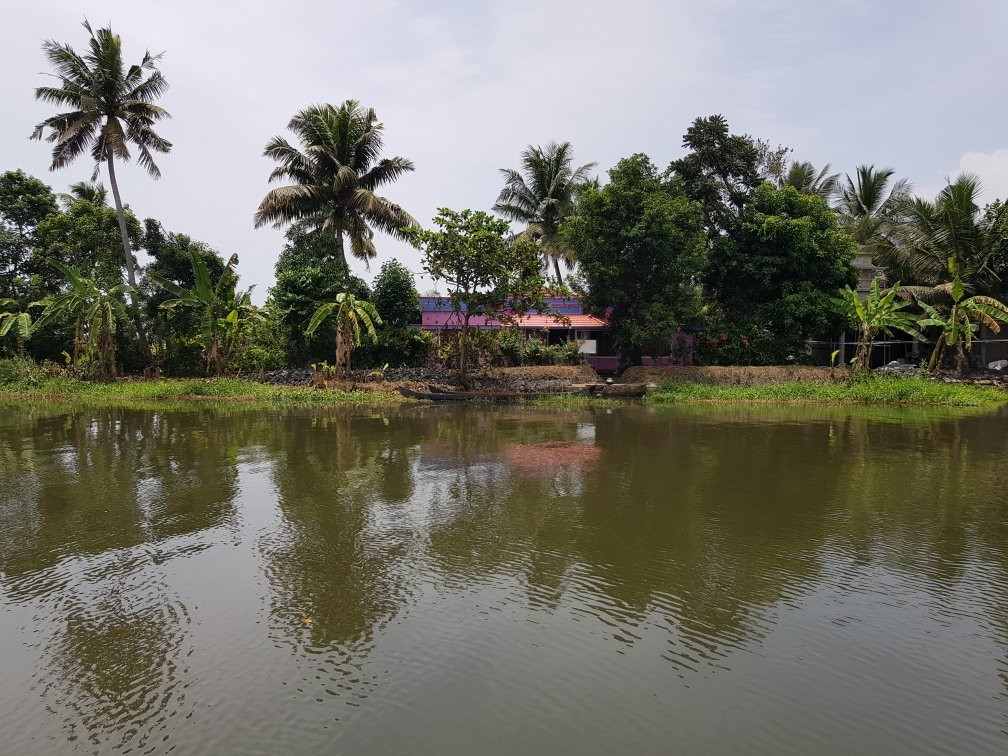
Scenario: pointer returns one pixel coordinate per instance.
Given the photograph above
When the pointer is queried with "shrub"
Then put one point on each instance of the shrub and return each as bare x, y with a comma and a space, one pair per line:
397, 347
21, 371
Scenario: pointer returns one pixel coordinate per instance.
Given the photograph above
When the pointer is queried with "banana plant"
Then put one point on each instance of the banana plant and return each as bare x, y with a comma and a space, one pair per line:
352, 316
223, 315
17, 320
960, 321
880, 313
96, 313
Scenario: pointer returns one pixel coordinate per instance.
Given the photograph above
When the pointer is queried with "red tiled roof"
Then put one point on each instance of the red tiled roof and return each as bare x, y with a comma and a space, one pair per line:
585, 322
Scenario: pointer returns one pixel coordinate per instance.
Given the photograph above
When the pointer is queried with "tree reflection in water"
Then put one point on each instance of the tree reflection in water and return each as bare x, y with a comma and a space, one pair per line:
385, 538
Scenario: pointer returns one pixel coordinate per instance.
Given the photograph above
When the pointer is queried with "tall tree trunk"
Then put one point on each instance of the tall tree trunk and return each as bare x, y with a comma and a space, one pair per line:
339, 246
556, 268
130, 270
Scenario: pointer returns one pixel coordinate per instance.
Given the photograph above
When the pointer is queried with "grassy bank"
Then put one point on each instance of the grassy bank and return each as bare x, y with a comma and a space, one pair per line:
146, 393
867, 390
872, 389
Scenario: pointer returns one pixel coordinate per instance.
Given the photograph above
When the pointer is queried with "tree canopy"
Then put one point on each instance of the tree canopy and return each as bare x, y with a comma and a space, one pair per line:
640, 242
333, 179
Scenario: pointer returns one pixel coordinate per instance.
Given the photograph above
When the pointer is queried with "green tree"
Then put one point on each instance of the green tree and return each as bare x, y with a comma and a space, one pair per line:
395, 297
112, 106
87, 236
486, 274
96, 311
334, 179
640, 243
720, 172
350, 316
961, 319
309, 271
785, 261
25, 202
542, 195
879, 313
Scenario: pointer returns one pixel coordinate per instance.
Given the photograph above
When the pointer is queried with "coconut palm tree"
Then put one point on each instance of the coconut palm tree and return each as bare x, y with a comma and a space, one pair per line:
333, 178
868, 209
111, 106
351, 315
87, 191
542, 195
931, 233
804, 177
869, 201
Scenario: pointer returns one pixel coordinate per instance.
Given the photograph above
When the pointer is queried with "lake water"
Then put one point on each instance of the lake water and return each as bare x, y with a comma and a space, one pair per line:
438, 580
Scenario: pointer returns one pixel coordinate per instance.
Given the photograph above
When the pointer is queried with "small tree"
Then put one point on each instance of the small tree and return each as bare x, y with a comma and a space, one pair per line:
961, 320
879, 313
486, 274
350, 314
395, 297
96, 313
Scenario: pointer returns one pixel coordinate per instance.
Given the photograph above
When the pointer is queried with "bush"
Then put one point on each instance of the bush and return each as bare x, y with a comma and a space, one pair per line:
21, 371
396, 347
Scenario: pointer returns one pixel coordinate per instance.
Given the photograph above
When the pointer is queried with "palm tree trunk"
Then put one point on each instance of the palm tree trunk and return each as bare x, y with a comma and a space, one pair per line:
128, 252
339, 245
556, 268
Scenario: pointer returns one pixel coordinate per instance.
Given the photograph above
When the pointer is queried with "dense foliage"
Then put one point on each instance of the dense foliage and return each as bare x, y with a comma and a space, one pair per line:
640, 243
752, 253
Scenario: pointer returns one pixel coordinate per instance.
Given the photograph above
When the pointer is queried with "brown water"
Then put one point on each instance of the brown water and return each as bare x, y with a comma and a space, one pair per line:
450, 580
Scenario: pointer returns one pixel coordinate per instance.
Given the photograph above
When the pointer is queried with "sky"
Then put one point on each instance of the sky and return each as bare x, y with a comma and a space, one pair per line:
462, 87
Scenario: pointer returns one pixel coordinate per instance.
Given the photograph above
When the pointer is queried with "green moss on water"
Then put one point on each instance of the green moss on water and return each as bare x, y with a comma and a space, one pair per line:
870, 389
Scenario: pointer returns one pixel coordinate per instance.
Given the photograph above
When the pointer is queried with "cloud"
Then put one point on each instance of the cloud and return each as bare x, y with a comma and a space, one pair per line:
463, 87
992, 168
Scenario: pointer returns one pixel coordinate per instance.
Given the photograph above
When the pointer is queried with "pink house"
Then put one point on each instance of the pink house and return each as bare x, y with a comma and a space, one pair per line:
565, 321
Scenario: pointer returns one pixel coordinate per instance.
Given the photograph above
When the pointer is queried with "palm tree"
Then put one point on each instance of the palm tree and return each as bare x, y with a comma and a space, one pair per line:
111, 106
334, 178
351, 314
543, 197
933, 232
87, 191
804, 177
867, 209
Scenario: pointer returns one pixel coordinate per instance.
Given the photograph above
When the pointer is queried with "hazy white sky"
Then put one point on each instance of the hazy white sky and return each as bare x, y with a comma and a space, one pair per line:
462, 87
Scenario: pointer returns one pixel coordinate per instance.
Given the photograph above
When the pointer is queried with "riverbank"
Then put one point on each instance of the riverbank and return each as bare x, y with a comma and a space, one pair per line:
867, 390
142, 393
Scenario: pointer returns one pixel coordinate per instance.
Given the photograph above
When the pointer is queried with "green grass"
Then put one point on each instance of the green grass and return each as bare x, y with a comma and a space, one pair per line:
146, 393
870, 389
